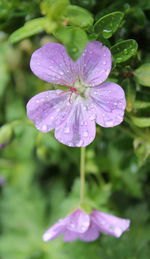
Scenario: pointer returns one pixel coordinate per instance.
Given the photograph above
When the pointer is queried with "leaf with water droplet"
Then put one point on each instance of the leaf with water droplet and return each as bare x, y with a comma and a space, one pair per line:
74, 39
123, 50
142, 75
108, 24
79, 17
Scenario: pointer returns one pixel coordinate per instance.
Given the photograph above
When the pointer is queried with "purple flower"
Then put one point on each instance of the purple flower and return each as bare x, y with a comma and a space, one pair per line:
73, 113
3, 145
80, 225
2, 181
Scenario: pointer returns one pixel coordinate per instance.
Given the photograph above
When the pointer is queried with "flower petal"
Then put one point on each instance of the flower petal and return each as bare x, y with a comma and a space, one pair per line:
91, 234
51, 63
48, 109
95, 64
70, 236
55, 230
109, 224
78, 221
78, 129
109, 104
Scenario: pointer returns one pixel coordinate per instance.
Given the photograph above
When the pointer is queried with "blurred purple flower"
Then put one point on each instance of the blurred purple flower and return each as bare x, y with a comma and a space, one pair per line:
73, 113
2, 180
80, 225
3, 145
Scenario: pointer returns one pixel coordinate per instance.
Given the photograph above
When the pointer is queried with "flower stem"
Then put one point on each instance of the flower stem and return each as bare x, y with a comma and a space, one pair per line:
82, 174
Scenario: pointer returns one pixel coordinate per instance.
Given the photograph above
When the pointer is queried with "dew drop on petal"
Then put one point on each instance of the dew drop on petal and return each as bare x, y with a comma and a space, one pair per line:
109, 123
80, 143
44, 127
117, 231
85, 134
67, 130
92, 117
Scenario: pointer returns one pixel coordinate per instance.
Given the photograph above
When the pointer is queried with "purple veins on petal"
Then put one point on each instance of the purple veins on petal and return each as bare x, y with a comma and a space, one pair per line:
56, 230
77, 130
52, 64
74, 112
109, 224
80, 225
94, 65
109, 102
78, 221
48, 109
91, 234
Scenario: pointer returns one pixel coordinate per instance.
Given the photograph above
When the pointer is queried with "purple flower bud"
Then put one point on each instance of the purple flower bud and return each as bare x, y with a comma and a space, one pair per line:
80, 225
88, 99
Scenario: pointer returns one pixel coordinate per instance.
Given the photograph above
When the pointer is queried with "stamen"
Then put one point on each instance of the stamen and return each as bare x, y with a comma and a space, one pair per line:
72, 89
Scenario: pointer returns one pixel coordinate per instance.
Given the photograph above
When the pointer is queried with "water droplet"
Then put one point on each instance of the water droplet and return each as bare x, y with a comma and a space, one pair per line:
61, 73
52, 117
67, 130
104, 62
118, 231
72, 225
70, 144
37, 101
109, 123
107, 31
44, 127
92, 117
80, 143
85, 134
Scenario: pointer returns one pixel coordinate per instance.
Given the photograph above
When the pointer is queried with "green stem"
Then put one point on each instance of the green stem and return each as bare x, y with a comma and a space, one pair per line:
82, 173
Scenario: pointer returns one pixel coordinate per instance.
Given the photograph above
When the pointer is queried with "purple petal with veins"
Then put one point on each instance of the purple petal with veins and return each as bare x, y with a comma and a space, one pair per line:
87, 101
109, 224
87, 227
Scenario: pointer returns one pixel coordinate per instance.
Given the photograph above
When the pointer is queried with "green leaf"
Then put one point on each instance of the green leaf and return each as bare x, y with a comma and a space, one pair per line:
142, 149
74, 39
142, 75
78, 16
141, 104
123, 50
130, 91
141, 122
108, 24
54, 9
30, 28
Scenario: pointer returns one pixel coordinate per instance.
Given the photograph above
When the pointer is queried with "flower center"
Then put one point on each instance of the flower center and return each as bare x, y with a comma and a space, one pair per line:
80, 89
72, 89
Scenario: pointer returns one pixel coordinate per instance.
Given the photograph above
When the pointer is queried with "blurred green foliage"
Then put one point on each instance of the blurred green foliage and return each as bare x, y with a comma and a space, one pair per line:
41, 175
